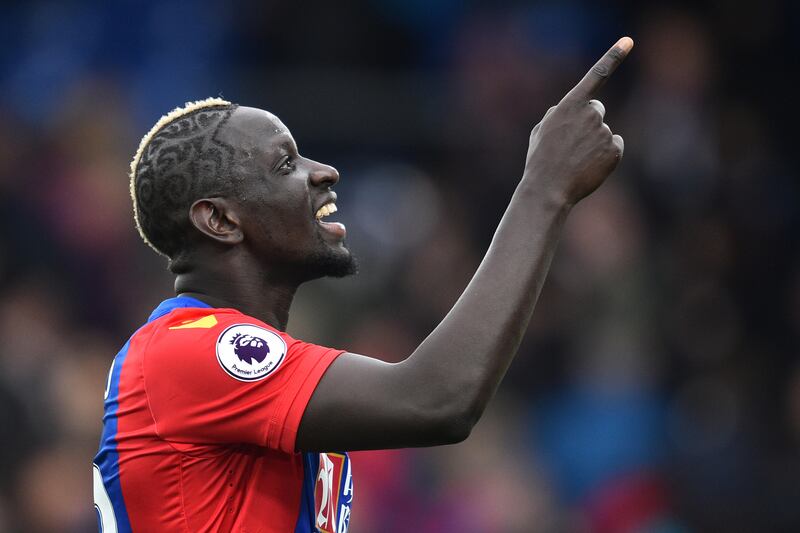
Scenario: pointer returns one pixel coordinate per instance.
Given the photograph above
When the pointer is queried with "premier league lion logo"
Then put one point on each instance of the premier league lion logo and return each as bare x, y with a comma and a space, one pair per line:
248, 352
249, 348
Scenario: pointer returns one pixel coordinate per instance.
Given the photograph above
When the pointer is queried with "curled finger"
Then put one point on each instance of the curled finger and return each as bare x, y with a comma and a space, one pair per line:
598, 106
619, 142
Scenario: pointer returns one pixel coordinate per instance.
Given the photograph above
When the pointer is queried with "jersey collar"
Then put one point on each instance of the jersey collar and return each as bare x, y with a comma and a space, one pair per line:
167, 306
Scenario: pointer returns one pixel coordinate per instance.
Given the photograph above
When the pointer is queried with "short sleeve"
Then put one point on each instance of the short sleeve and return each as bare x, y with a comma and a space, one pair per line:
230, 380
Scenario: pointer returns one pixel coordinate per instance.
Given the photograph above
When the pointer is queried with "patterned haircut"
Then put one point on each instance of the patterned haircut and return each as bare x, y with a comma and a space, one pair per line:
180, 160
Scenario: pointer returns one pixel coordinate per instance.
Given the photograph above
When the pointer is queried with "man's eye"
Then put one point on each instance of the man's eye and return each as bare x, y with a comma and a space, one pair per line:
288, 164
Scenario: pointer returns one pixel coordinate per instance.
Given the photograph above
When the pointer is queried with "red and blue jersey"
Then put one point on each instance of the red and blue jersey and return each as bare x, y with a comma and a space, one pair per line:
202, 409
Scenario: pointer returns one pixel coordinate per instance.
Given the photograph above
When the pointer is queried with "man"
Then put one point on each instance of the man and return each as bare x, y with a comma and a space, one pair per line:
214, 417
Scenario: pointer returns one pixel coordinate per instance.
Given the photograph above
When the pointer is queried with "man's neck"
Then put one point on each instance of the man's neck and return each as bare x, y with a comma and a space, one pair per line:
260, 298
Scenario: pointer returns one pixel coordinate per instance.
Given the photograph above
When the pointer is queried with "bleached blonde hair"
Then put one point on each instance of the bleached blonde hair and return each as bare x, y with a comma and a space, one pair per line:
164, 121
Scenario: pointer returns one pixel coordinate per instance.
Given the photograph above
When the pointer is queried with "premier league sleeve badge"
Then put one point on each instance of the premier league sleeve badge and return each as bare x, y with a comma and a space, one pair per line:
250, 353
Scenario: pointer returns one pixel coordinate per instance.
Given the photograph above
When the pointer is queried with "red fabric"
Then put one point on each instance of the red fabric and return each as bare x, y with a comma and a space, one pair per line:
200, 450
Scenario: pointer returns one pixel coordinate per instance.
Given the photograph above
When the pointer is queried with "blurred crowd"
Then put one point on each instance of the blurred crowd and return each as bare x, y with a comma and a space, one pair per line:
658, 388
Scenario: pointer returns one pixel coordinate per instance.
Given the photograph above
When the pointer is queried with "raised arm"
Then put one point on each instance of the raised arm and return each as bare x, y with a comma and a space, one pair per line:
436, 395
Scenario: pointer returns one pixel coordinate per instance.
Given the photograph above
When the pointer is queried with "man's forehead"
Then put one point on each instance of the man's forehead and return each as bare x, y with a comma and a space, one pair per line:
256, 127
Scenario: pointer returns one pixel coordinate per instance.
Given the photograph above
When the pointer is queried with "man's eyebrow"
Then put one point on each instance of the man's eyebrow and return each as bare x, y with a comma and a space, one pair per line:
287, 144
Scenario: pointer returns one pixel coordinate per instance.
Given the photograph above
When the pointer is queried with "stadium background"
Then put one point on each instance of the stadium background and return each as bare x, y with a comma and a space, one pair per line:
658, 388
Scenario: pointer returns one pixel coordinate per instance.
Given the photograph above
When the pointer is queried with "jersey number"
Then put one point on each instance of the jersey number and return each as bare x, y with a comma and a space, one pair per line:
102, 504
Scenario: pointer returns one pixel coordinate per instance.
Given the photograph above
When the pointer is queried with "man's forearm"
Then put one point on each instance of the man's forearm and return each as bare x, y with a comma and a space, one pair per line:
570, 153
466, 356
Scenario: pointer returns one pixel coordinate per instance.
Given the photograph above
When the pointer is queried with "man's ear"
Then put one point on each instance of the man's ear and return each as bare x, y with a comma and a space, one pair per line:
217, 218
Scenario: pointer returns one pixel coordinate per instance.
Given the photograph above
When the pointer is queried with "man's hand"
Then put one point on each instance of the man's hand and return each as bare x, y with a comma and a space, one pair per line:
572, 151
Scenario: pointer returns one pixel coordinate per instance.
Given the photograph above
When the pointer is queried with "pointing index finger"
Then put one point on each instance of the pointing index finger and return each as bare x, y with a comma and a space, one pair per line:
601, 71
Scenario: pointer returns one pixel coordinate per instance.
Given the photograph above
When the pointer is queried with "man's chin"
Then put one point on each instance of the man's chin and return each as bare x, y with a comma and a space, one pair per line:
343, 270
332, 263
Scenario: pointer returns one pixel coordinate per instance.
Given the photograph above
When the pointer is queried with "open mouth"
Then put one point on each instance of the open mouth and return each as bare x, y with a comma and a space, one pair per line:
325, 210
335, 228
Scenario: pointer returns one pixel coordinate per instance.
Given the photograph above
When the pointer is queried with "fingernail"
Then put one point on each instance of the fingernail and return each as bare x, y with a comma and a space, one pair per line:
626, 43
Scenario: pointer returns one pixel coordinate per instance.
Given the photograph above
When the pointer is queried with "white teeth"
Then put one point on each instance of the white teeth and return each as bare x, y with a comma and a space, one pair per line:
325, 210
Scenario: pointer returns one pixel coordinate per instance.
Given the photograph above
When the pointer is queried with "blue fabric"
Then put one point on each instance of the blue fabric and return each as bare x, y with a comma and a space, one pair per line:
305, 518
171, 304
107, 458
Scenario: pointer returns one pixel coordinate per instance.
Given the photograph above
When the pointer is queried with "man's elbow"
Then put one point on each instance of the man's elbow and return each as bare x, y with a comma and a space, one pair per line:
454, 425
446, 411
458, 429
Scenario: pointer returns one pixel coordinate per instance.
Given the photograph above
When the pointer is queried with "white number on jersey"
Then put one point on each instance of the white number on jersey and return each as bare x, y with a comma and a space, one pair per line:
108, 522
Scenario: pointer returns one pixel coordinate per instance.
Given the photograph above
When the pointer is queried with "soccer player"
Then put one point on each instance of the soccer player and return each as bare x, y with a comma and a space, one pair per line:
215, 418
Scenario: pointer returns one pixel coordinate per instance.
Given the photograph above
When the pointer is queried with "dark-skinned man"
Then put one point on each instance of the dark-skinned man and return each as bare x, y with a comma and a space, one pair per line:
215, 418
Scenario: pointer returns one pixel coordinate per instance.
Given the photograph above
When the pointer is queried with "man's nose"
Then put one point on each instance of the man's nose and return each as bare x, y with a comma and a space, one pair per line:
324, 175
